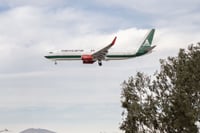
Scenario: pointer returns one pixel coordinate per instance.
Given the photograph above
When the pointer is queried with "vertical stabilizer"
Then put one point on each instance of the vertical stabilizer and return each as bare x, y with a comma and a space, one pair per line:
146, 44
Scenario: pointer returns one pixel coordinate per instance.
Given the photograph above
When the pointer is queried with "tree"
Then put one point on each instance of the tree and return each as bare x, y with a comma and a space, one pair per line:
169, 102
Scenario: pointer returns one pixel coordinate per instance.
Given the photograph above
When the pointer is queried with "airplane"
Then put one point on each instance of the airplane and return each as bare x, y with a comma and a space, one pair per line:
102, 54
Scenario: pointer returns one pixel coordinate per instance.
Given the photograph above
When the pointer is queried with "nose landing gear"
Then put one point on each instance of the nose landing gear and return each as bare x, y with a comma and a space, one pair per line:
55, 62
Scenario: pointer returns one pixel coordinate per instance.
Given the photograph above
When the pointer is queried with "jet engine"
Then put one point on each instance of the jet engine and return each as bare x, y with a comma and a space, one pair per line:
87, 59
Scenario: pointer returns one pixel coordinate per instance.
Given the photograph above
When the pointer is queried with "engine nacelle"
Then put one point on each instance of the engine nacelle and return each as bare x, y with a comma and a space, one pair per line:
87, 59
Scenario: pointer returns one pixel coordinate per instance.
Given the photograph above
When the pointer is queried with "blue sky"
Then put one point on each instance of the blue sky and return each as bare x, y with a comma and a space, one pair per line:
72, 97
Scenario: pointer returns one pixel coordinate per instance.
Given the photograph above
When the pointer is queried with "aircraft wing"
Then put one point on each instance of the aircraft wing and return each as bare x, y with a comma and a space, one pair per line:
101, 54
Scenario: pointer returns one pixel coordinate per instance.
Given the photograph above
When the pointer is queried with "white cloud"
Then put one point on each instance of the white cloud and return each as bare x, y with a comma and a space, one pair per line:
155, 6
31, 31
15, 3
174, 14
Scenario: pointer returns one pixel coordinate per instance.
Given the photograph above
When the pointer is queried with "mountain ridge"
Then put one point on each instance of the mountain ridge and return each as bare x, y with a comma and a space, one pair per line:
33, 130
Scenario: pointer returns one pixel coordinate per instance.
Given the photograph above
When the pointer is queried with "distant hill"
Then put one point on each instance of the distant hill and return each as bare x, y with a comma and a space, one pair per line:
32, 130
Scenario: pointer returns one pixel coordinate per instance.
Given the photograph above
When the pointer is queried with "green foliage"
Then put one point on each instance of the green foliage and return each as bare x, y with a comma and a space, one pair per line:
170, 103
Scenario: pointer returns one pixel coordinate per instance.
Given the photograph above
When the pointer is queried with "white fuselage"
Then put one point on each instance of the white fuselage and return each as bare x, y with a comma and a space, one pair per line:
77, 54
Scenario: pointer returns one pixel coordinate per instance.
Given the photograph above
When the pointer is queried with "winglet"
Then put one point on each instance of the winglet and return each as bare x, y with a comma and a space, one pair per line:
113, 42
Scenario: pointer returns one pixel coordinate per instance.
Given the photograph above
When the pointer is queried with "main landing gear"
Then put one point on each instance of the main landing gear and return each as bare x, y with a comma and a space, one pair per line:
100, 62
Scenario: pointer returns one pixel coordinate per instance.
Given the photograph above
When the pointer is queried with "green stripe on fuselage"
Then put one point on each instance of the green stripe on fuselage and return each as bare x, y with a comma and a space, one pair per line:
77, 57
63, 56
121, 56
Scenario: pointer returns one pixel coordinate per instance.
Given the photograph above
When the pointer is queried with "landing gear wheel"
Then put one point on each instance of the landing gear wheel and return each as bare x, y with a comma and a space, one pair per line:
55, 62
100, 63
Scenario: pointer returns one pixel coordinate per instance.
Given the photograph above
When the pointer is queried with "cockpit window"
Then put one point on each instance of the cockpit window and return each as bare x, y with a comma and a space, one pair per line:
50, 52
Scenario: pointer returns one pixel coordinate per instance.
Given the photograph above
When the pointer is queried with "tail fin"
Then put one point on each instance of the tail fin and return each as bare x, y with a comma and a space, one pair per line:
146, 44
